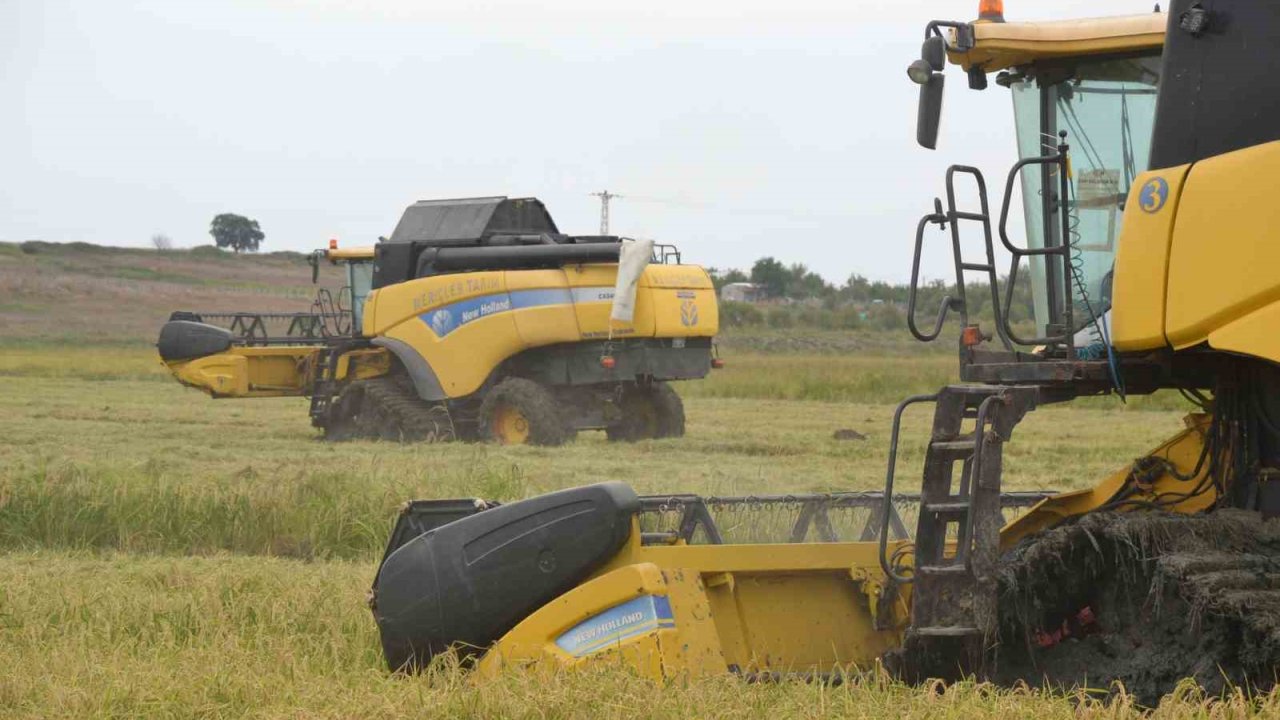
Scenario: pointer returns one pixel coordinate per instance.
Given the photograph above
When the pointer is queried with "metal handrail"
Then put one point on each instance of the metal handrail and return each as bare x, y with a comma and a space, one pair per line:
1062, 250
960, 303
887, 507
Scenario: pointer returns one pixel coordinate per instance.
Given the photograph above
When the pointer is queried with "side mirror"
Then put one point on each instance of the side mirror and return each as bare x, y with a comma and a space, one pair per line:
929, 114
927, 73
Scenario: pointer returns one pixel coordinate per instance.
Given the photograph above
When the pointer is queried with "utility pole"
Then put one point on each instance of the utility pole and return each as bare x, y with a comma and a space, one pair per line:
605, 196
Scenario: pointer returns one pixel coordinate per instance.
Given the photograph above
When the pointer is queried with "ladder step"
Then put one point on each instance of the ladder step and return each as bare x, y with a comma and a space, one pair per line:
977, 267
947, 507
957, 449
942, 570
962, 215
946, 632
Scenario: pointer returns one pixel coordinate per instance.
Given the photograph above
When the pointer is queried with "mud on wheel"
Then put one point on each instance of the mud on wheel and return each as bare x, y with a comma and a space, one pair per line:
648, 411
1147, 599
519, 411
387, 408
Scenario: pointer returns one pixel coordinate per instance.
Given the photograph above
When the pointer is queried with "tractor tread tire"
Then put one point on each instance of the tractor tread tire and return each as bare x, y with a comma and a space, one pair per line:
666, 405
388, 408
538, 405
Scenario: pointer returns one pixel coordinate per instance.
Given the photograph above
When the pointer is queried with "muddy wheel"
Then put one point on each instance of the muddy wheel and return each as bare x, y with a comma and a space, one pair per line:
344, 414
655, 411
522, 412
1145, 598
387, 408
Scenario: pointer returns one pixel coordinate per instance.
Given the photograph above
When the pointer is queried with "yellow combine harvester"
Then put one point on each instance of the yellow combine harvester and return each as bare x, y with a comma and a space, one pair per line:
1149, 152
476, 319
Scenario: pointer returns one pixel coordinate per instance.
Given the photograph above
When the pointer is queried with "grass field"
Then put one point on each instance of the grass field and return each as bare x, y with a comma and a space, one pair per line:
164, 555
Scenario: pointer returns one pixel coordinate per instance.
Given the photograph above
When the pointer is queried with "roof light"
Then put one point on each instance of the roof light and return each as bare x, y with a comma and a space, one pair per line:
991, 10
333, 243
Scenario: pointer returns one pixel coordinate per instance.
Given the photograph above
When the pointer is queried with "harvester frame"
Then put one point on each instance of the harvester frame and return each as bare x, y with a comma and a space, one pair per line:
476, 319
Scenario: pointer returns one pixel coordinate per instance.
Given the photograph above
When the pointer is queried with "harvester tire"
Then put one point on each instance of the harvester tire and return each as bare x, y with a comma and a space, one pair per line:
387, 408
653, 411
519, 411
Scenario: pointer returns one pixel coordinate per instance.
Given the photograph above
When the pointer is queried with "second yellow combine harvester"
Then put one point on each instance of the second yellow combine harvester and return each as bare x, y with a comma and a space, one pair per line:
1151, 150
476, 319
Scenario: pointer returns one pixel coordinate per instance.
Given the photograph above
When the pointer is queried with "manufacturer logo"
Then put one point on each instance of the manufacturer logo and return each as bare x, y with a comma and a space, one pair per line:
442, 322
688, 313
1153, 195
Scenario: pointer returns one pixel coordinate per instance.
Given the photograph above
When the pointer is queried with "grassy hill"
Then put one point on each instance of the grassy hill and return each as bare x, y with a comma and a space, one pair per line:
57, 293
81, 293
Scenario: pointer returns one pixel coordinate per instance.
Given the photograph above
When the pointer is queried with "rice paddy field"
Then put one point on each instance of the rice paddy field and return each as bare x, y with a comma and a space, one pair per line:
163, 555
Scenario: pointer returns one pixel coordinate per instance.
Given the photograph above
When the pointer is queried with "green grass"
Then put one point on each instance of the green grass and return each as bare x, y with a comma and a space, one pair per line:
224, 636
166, 555
147, 466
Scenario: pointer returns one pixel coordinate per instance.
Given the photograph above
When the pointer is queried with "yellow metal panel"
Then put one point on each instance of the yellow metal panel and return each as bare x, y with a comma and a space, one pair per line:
394, 304
1182, 451
1003, 45
1142, 260
693, 649
1226, 246
369, 363
463, 358
543, 324
1256, 334
248, 371
801, 622
683, 313
682, 299
784, 557
680, 277
592, 286
351, 253
533, 640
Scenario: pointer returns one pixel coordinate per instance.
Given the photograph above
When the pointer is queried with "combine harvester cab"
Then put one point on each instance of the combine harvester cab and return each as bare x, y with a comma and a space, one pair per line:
477, 319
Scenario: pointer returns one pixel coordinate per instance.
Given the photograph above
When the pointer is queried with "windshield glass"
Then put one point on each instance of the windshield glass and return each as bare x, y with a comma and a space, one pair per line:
1106, 107
360, 280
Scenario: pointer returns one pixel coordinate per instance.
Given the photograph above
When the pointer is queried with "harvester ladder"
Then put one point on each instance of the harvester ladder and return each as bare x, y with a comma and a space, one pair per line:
324, 374
952, 216
957, 541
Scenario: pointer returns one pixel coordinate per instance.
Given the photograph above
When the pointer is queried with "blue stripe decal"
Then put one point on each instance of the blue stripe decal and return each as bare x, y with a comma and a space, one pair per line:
447, 318
521, 299
639, 616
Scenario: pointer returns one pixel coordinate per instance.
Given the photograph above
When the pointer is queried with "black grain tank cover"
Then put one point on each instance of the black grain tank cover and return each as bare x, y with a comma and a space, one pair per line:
468, 582
467, 221
456, 223
1219, 82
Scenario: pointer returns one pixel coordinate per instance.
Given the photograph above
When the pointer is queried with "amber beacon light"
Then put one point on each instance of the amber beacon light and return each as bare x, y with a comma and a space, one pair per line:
991, 10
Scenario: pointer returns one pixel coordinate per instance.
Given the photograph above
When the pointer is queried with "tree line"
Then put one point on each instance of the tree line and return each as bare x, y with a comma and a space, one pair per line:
801, 297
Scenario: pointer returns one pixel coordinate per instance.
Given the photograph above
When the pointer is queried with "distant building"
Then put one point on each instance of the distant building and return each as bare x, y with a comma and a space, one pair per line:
742, 292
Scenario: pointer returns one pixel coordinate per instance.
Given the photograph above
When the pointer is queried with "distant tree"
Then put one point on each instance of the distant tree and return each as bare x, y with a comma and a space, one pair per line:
236, 232
771, 275
160, 241
804, 284
720, 278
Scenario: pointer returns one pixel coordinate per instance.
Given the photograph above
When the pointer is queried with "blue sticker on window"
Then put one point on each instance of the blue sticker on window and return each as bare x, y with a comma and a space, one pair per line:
634, 617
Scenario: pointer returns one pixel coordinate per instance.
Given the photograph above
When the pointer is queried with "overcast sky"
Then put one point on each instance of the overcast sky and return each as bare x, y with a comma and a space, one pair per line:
733, 129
